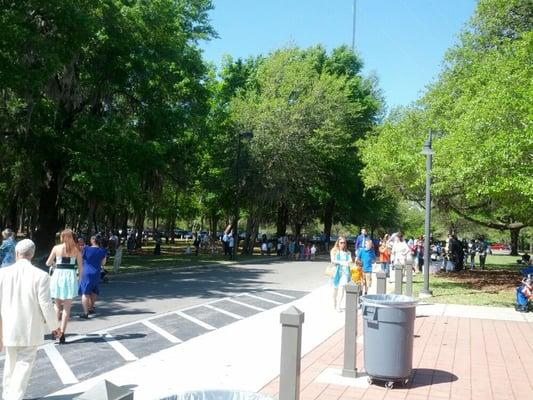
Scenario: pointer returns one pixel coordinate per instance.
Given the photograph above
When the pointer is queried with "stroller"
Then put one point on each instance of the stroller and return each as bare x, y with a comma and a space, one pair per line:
103, 277
524, 294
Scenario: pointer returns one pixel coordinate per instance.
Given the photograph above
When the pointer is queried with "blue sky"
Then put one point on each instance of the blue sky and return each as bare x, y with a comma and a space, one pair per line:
401, 41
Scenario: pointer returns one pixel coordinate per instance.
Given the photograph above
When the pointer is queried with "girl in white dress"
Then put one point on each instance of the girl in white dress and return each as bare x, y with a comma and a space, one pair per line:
68, 266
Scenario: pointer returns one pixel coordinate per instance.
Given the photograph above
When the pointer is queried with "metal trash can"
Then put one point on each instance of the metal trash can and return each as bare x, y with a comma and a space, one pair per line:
388, 331
217, 395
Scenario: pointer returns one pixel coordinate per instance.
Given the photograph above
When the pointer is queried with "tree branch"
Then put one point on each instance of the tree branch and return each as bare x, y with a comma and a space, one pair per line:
488, 224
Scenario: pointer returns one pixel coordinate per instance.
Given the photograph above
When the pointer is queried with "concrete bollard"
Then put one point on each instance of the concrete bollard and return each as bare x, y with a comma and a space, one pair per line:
350, 330
398, 279
291, 353
409, 280
105, 390
381, 278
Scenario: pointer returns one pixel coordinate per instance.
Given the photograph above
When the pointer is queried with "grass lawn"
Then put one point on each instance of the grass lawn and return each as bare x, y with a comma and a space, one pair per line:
172, 256
495, 286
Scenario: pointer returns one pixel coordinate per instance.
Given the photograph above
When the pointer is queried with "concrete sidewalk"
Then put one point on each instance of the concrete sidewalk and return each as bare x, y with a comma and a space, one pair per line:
460, 353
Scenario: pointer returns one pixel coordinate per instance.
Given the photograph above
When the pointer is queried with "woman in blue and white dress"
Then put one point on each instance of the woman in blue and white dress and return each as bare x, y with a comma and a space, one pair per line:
67, 262
341, 257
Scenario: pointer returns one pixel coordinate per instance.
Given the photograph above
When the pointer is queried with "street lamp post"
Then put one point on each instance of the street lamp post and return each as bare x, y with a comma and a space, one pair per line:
428, 152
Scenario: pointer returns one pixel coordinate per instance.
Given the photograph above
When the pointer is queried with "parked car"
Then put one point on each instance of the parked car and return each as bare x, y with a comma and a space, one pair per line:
183, 234
500, 246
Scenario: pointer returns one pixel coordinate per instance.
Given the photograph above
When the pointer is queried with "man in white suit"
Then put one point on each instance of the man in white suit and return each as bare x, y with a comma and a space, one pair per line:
25, 309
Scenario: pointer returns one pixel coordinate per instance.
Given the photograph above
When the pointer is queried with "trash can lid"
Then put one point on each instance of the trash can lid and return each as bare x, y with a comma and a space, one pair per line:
217, 395
389, 300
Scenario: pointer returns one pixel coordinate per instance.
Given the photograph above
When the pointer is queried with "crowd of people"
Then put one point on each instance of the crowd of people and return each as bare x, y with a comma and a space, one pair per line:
390, 251
28, 295
75, 269
394, 250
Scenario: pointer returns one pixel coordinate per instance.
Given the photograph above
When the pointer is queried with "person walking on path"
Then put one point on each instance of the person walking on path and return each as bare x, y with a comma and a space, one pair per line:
341, 257
384, 254
400, 252
231, 245
361, 239
26, 314
157, 247
7, 249
117, 259
65, 260
367, 256
93, 258
482, 249
472, 249
196, 243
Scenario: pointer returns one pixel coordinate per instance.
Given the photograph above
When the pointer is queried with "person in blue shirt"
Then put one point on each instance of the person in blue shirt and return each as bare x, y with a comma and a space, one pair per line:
94, 257
524, 294
7, 249
361, 239
367, 257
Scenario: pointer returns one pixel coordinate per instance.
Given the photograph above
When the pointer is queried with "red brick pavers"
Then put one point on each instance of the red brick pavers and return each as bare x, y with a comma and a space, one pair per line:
453, 358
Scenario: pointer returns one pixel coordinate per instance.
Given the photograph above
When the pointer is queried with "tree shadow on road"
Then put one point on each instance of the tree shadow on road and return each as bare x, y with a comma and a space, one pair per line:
201, 282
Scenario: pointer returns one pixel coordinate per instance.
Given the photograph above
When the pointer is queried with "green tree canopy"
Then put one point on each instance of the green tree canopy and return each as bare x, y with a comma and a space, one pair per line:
101, 101
482, 108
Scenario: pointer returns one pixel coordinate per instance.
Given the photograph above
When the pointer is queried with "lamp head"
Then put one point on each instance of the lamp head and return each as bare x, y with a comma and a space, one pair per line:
427, 150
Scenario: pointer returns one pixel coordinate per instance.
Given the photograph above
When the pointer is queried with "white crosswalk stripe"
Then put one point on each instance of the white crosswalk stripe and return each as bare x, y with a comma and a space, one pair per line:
60, 365
167, 335
119, 347
281, 294
195, 321
245, 305
262, 299
229, 314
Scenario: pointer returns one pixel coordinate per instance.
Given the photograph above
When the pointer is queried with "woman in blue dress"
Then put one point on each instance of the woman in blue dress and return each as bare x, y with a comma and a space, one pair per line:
341, 257
93, 259
65, 259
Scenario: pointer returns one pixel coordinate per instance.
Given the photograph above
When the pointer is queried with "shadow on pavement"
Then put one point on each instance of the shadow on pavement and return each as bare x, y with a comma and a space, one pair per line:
428, 377
95, 338
201, 282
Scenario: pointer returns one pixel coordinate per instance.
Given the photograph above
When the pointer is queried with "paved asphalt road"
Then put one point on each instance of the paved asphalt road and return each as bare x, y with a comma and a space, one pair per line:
141, 314
132, 297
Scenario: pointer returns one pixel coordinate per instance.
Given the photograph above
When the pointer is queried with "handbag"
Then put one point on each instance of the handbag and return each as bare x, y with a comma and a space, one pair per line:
330, 270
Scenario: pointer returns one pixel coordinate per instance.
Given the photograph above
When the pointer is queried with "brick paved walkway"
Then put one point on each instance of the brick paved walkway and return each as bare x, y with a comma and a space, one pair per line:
454, 358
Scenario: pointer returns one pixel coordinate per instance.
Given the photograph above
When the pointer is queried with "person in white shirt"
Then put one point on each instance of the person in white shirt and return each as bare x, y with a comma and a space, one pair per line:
400, 252
26, 310
231, 246
313, 252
